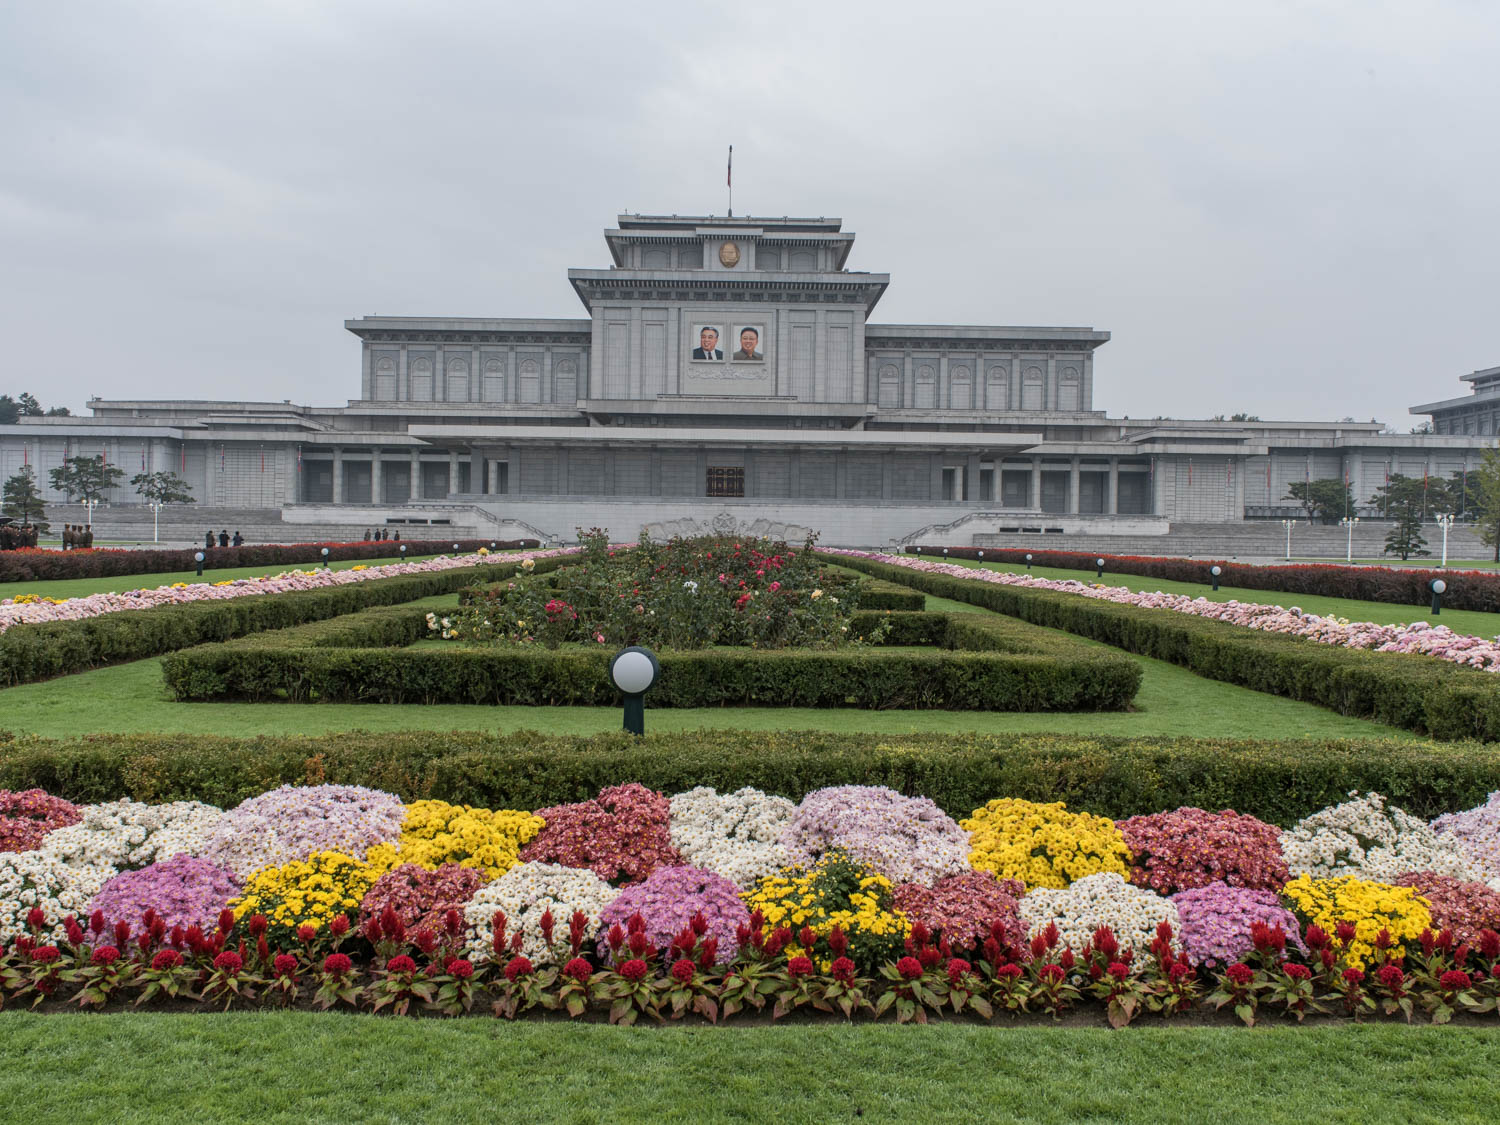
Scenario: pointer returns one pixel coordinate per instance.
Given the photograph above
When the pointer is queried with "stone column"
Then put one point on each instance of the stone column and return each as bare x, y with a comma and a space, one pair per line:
971, 479
1112, 499
338, 475
1073, 504
1035, 494
377, 480
416, 476
452, 472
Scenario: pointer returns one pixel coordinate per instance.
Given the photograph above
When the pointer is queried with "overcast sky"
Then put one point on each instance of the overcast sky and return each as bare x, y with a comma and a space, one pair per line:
1287, 209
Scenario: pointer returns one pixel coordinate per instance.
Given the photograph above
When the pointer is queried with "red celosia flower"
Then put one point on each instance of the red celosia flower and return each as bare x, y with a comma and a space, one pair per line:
842, 970
637, 943
799, 966
258, 924
929, 956
1297, 972
1383, 939
1391, 976
838, 941
1354, 976
518, 967
307, 934
96, 921
229, 962
45, 954
634, 969
75, 933
579, 969
1066, 960
338, 926
226, 920
400, 963
546, 924
337, 964
285, 965
1240, 973
698, 923
36, 919
1455, 980
166, 959
453, 922
806, 938
1053, 974
1105, 942
1009, 972
909, 967
1345, 932
105, 955
426, 940
957, 967
1179, 972
460, 968
1119, 970
683, 970
1489, 943
1315, 936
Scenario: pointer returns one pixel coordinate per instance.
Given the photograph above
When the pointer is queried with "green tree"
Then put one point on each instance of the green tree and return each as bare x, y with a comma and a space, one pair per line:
10, 410
86, 478
59, 412
163, 487
30, 408
21, 499
1484, 499
1402, 499
1328, 500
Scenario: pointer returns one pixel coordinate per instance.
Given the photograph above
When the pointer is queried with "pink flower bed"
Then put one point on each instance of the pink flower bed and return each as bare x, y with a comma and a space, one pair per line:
77, 609
29, 814
1188, 848
963, 908
622, 835
421, 898
1413, 637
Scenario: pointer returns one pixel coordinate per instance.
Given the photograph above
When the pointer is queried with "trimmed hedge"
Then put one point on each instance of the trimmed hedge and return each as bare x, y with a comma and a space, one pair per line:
1278, 781
1467, 589
875, 594
39, 651
860, 677
44, 564
1416, 692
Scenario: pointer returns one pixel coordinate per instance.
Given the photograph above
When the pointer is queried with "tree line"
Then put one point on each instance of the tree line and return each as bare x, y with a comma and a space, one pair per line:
84, 479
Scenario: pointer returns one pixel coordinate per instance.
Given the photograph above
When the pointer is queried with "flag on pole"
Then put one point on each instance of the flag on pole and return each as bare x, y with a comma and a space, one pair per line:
1190, 470
143, 458
221, 458
182, 445
262, 458
299, 458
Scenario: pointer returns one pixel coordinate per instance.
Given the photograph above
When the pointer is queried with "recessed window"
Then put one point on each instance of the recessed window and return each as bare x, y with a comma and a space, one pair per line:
726, 480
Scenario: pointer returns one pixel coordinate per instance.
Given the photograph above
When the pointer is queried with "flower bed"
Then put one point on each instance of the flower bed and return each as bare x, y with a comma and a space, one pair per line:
124, 905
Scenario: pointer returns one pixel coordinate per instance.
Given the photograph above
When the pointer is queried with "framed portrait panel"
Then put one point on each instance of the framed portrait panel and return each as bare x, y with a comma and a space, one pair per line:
708, 343
748, 343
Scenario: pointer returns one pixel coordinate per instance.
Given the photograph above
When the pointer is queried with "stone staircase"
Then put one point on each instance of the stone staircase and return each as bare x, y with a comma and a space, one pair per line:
185, 524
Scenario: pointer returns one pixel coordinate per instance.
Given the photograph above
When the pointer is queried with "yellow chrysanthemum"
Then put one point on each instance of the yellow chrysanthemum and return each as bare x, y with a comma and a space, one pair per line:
1043, 845
1368, 906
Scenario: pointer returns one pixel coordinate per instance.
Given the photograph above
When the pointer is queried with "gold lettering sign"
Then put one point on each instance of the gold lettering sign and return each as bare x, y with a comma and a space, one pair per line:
729, 255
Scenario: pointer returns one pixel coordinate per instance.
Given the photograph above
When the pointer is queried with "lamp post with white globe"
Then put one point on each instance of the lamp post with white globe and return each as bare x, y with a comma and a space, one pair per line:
634, 670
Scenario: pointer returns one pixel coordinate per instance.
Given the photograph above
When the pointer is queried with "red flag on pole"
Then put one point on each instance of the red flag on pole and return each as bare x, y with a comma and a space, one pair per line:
299, 458
182, 445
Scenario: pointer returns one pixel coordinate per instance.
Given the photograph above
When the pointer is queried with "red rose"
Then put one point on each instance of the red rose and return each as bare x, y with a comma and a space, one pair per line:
634, 969
337, 963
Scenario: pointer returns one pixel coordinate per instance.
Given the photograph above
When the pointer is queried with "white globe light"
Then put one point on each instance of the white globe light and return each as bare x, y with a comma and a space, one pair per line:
198, 557
633, 672
1215, 571
1438, 585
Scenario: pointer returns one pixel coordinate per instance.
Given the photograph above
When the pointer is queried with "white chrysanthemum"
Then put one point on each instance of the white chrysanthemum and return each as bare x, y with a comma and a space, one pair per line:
127, 834
736, 835
1477, 834
524, 894
1366, 837
37, 878
1106, 899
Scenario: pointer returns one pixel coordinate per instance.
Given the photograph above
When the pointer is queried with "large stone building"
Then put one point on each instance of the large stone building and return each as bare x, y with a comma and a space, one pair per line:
727, 374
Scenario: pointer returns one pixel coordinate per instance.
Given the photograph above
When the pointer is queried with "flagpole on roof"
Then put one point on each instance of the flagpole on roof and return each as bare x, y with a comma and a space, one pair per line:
729, 180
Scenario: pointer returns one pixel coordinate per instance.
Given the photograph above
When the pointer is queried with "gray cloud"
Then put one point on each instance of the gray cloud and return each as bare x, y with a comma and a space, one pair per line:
1287, 209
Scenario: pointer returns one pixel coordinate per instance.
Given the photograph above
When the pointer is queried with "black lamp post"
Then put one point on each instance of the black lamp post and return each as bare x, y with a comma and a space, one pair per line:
198, 558
325, 558
1437, 586
1099, 568
1214, 571
1028, 560
403, 550
634, 671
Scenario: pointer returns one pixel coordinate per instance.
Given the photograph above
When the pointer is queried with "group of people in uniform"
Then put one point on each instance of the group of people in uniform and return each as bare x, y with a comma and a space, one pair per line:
224, 539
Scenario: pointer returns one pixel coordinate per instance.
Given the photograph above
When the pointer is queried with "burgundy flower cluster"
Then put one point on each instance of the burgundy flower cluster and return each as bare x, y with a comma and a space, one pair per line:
622, 835
1459, 905
963, 908
1189, 848
420, 898
29, 814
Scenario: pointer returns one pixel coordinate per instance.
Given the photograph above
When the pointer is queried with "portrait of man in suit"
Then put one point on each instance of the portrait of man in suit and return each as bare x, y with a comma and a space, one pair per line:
708, 344
749, 345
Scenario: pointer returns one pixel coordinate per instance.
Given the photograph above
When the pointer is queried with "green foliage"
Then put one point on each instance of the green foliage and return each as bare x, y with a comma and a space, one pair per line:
36, 652
1278, 781
1327, 500
162, 487
1404, 500
1418, 693
1484, 483
684, 594
22, 499
86, 478
1009, 667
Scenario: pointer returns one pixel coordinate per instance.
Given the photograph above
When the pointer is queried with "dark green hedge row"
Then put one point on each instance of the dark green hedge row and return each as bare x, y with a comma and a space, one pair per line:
1279, 782
875, 594
1419, 693
46, 564
36, 652
870, 678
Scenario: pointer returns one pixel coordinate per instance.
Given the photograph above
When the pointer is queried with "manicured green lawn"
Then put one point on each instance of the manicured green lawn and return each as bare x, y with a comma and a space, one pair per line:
82, 587
1171, 701
1382, 613
299, 1067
